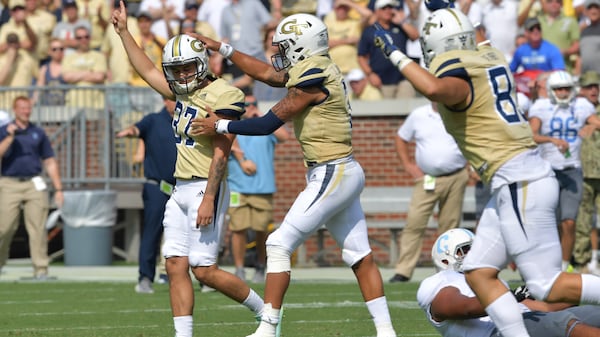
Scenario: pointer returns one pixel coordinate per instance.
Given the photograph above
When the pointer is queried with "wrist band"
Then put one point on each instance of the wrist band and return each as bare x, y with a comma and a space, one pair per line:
572, 327
226, 50
222, 126
399, 59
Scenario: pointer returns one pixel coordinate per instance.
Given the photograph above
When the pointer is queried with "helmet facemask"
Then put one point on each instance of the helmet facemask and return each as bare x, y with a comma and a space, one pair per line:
280, 60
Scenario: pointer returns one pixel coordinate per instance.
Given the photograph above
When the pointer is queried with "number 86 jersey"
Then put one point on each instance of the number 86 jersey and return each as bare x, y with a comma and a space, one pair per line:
489, 128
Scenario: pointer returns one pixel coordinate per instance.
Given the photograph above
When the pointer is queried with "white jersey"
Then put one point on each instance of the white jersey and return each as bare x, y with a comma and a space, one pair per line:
564, 124
436, 151
475, 327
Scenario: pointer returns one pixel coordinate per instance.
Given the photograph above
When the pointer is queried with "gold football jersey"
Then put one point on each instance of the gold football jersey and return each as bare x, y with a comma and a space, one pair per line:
194, 154
490, 129
324, 130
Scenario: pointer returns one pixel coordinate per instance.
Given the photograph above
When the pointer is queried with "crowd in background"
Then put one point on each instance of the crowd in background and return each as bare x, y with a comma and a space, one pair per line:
58, 42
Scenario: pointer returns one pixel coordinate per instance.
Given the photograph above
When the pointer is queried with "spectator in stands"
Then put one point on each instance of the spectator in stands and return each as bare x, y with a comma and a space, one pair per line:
190, 22
166, 15
528, 9
344, 33
560, 30
211, 11
84, 68
97, 12
65, 30
380, 73
360, 86
4, 12
472, 9
440, 176
17, 69
590, 38
50, 75
53, 7
18, 25
159, 165
244, 32
153, 47
25, 151
42, 23
262, 91
500, 22
251, 179
119, 73
537, 53
556, 122
586, 236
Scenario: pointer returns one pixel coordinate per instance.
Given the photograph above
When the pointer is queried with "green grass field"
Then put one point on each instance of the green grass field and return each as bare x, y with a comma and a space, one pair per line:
62, 309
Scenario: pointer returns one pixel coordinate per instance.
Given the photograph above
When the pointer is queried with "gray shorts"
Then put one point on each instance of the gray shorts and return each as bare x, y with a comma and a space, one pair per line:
571, 188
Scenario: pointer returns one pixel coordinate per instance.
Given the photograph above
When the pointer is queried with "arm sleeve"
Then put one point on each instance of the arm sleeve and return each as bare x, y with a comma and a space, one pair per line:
261, 126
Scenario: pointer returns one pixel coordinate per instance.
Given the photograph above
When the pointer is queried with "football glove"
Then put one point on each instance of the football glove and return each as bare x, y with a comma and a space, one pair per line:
522, 293
384, 42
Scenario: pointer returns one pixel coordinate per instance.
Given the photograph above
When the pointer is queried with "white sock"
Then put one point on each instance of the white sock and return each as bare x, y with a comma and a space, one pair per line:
506, 314
565, 265
590, 289
378, 309
183, 326
270, 314
254, 302
594, 256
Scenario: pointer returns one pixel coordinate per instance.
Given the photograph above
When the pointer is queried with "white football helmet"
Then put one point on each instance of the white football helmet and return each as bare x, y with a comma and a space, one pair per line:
182, 50
299, 36
561, 79
444, 30
450, 249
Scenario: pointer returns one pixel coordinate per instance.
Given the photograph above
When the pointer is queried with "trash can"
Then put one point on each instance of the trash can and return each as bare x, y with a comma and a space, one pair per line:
88, 217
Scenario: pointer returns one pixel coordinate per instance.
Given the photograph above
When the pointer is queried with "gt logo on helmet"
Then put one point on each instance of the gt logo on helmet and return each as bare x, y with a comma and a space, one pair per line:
293, 27
197, 46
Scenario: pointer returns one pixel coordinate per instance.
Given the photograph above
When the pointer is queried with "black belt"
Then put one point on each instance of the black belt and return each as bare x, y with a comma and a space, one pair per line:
451, 173
311, 163
21, 178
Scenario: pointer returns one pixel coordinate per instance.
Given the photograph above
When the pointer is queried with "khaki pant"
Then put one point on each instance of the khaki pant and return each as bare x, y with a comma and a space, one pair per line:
588, 208
449, 194
15, 194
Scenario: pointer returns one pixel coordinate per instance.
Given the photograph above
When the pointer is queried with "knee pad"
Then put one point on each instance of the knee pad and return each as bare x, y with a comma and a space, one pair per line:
278, 260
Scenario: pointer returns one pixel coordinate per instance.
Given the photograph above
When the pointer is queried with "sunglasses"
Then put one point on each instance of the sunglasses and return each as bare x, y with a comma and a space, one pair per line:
57, 48
534, 28
246, 104
82, 37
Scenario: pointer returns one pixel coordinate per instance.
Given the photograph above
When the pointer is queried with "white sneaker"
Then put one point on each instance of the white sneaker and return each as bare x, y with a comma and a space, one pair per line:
266, 329
206, 289
593, 268
385, 330
144, 286
259, 276
162, 279
241, 273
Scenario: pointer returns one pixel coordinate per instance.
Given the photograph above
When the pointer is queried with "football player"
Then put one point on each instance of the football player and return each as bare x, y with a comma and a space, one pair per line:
317, 102
453, 310
476, 94
193, 221
557, 122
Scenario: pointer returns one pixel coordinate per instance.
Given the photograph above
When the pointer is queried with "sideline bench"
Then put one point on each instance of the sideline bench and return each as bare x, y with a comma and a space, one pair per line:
392, 200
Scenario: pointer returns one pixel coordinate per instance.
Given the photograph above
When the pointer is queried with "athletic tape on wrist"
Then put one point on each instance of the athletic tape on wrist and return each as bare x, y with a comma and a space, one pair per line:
399, 59
222, 126
226, 50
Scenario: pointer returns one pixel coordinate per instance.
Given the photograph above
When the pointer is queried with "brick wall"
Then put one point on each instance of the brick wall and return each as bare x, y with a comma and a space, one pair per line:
374, 146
